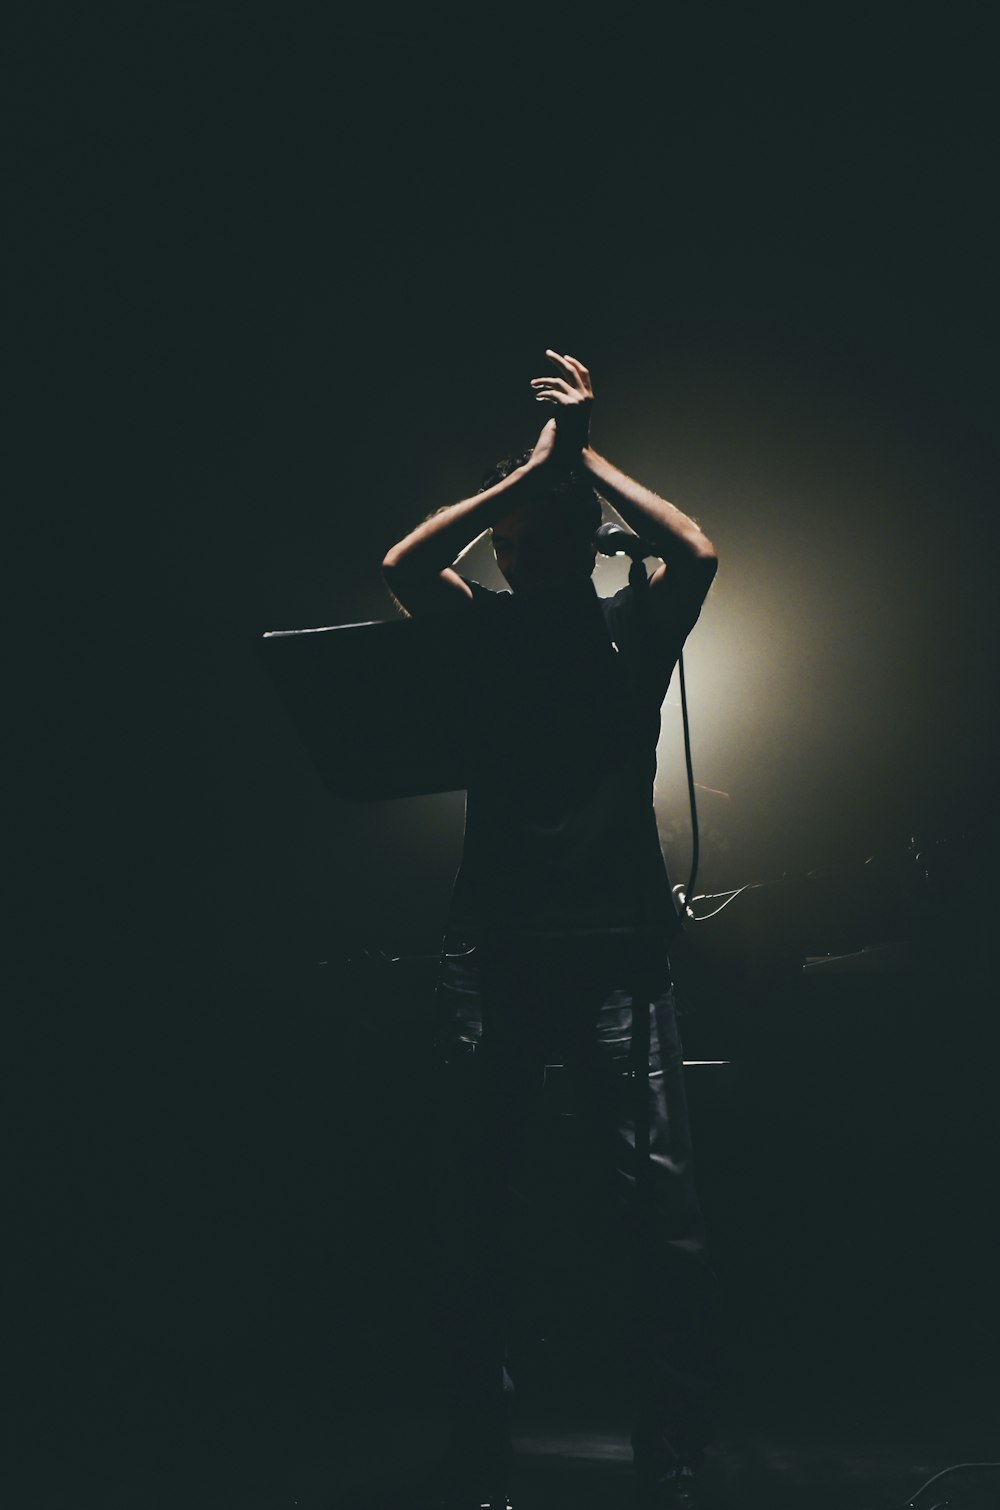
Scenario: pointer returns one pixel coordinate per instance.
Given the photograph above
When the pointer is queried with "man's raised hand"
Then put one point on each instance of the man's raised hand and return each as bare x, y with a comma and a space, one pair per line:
572, 392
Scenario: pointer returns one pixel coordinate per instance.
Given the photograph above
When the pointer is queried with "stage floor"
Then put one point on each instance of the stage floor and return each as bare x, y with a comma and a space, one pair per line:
298, 1450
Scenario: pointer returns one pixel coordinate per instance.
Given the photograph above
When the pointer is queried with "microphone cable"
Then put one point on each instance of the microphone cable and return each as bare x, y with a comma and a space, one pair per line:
686, 896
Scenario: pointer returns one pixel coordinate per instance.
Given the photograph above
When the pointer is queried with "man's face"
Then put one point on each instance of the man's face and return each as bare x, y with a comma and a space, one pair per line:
536, 552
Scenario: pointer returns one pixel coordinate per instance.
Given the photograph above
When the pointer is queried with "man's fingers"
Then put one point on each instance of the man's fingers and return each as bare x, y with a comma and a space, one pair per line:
577, 367
569, 364
549, 382
575, 372
561, 362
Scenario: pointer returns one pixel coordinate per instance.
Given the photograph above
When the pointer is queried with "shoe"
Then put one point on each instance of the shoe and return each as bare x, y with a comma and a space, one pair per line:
472, 1502
459, 1496
676, 1491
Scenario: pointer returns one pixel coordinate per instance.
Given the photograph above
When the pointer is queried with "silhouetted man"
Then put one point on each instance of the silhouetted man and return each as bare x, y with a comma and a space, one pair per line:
560, 918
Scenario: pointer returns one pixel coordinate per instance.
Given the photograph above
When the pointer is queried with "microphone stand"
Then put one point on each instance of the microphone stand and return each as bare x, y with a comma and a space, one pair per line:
642, 1000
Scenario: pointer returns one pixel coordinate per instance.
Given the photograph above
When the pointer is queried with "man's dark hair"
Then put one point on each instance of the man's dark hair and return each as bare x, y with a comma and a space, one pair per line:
572, 496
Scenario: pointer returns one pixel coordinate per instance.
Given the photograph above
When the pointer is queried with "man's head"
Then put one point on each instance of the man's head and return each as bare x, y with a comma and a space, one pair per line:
549, 542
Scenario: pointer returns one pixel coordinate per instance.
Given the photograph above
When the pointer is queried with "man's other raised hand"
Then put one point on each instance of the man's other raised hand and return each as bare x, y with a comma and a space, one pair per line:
571, 392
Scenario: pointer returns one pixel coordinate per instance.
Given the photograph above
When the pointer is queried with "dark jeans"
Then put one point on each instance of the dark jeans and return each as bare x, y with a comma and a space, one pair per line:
508, 1009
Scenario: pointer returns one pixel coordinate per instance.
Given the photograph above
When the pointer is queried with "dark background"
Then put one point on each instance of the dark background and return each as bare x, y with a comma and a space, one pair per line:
280, 280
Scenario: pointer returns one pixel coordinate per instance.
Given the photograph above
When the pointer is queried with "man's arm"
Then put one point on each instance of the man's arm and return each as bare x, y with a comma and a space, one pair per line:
418, 569
678, 588
689, 557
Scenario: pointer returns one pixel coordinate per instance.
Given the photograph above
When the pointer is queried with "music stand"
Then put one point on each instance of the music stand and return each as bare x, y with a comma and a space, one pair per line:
413, 706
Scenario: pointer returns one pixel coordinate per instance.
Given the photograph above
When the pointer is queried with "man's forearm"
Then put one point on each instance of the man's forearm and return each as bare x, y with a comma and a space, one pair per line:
441, 539
676, 537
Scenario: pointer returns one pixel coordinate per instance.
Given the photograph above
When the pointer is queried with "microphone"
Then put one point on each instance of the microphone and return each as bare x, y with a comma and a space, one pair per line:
612, 541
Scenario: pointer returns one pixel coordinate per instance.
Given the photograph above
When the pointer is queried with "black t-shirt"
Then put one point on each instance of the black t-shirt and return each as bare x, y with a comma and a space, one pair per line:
560, 835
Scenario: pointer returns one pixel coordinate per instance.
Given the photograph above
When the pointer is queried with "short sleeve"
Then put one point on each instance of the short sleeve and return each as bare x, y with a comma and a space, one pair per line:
480, 594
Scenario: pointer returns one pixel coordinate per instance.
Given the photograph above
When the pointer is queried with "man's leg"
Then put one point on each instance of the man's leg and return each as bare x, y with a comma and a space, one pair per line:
673, 1342
484, 1082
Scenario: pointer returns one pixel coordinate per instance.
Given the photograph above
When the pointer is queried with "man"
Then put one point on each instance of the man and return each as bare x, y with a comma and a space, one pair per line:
560, 921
